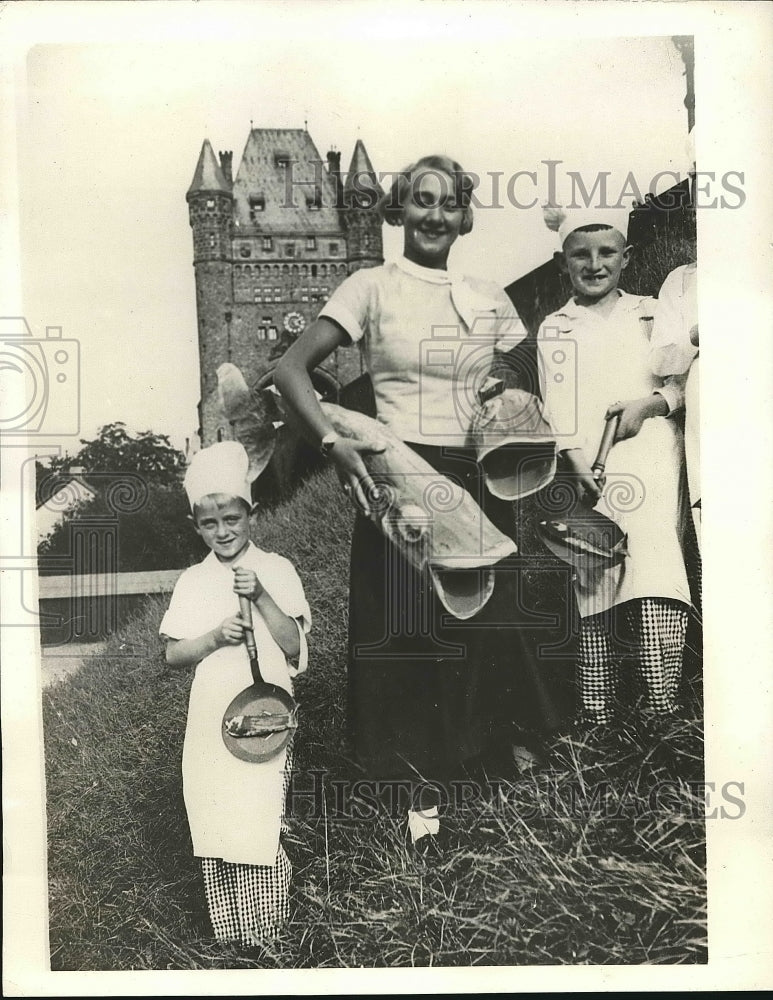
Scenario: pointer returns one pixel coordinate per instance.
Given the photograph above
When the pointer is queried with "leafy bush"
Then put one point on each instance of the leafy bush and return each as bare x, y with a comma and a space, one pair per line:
159, 535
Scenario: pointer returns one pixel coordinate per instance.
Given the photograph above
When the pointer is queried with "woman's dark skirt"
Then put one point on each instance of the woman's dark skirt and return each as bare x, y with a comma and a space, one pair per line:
432, 698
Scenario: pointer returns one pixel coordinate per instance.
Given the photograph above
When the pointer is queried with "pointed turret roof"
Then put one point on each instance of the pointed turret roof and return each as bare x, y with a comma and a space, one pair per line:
360, 168
208, 176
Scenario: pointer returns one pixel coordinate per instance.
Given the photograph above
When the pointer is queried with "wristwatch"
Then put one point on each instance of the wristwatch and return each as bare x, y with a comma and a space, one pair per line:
327, 443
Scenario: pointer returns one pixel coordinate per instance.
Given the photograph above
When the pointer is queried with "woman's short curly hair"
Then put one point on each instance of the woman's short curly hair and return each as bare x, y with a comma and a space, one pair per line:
390, 205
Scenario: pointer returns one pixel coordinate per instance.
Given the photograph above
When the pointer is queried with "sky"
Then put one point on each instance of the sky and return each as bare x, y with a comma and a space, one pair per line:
110, 135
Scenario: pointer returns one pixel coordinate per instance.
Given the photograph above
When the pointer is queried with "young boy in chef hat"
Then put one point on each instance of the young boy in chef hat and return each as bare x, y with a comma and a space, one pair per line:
235, 807
594, 365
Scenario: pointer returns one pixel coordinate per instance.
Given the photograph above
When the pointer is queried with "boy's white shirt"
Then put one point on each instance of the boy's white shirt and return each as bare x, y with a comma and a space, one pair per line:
587, 362
676, 313
559, 400
277, 576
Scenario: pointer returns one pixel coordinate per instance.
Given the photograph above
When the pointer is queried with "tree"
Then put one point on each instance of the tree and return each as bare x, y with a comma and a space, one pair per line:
151, 515
116, 450
157, 535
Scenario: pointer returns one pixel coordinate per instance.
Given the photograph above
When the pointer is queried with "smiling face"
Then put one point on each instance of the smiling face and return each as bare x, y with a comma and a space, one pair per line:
594, 261
432, 217
224, 524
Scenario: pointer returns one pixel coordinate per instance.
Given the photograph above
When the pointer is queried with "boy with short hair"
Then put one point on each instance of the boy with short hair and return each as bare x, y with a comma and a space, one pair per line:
594, 356
235, 807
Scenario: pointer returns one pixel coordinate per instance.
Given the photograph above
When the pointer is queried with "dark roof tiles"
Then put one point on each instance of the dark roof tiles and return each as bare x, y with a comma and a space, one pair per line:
283, 169
208, 177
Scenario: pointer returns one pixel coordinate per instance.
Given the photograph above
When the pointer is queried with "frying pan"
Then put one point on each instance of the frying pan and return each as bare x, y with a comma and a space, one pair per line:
266, 710
585, 538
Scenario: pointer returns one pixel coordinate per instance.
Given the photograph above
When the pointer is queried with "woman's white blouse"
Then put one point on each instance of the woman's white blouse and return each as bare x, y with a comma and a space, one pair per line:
428, 339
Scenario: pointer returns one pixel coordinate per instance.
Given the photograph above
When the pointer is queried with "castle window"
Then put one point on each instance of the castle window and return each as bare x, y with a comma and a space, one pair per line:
285, 268
277, 298
323, 270
281, 159
314, 270
210, 202
311, 242
261, 333
314, 200
211, 242
333, 249
267, 320
304, 270
289, 249
258, 298
268, 244
272, 333
257, 204
304, 298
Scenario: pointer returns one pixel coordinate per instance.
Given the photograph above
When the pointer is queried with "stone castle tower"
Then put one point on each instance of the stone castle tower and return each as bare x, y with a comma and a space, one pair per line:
269, 247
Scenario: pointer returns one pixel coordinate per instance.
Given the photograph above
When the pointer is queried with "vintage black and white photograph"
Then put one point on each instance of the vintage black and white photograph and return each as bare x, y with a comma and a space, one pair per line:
360, 605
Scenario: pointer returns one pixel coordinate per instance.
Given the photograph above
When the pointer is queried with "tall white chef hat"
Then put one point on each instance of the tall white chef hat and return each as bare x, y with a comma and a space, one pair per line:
220, 468
565, 220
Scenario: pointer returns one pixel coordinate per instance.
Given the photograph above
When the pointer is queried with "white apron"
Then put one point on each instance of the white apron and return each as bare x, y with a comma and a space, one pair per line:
234, 807
587, 363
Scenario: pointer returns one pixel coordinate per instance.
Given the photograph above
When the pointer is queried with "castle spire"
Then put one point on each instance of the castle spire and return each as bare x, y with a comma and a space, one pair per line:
361, 194
361, 180
208, 177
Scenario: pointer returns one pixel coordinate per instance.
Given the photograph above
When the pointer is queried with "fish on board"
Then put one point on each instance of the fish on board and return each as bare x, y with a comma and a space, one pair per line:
433, 521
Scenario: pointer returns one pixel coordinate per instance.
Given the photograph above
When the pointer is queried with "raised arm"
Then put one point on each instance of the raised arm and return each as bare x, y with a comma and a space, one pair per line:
281, 626
292, 377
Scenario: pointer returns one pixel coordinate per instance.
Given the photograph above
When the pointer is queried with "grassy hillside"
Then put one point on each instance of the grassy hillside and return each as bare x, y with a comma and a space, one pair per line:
599, 858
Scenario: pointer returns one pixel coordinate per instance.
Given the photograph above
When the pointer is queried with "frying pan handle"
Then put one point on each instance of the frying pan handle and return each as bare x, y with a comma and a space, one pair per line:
607, 440
245, 610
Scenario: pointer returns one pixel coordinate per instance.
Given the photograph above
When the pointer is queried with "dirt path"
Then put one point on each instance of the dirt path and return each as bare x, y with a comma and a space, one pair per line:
60, 662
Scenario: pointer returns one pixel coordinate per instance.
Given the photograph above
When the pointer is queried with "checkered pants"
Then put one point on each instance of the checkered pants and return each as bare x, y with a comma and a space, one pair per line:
249, 903
657, 628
